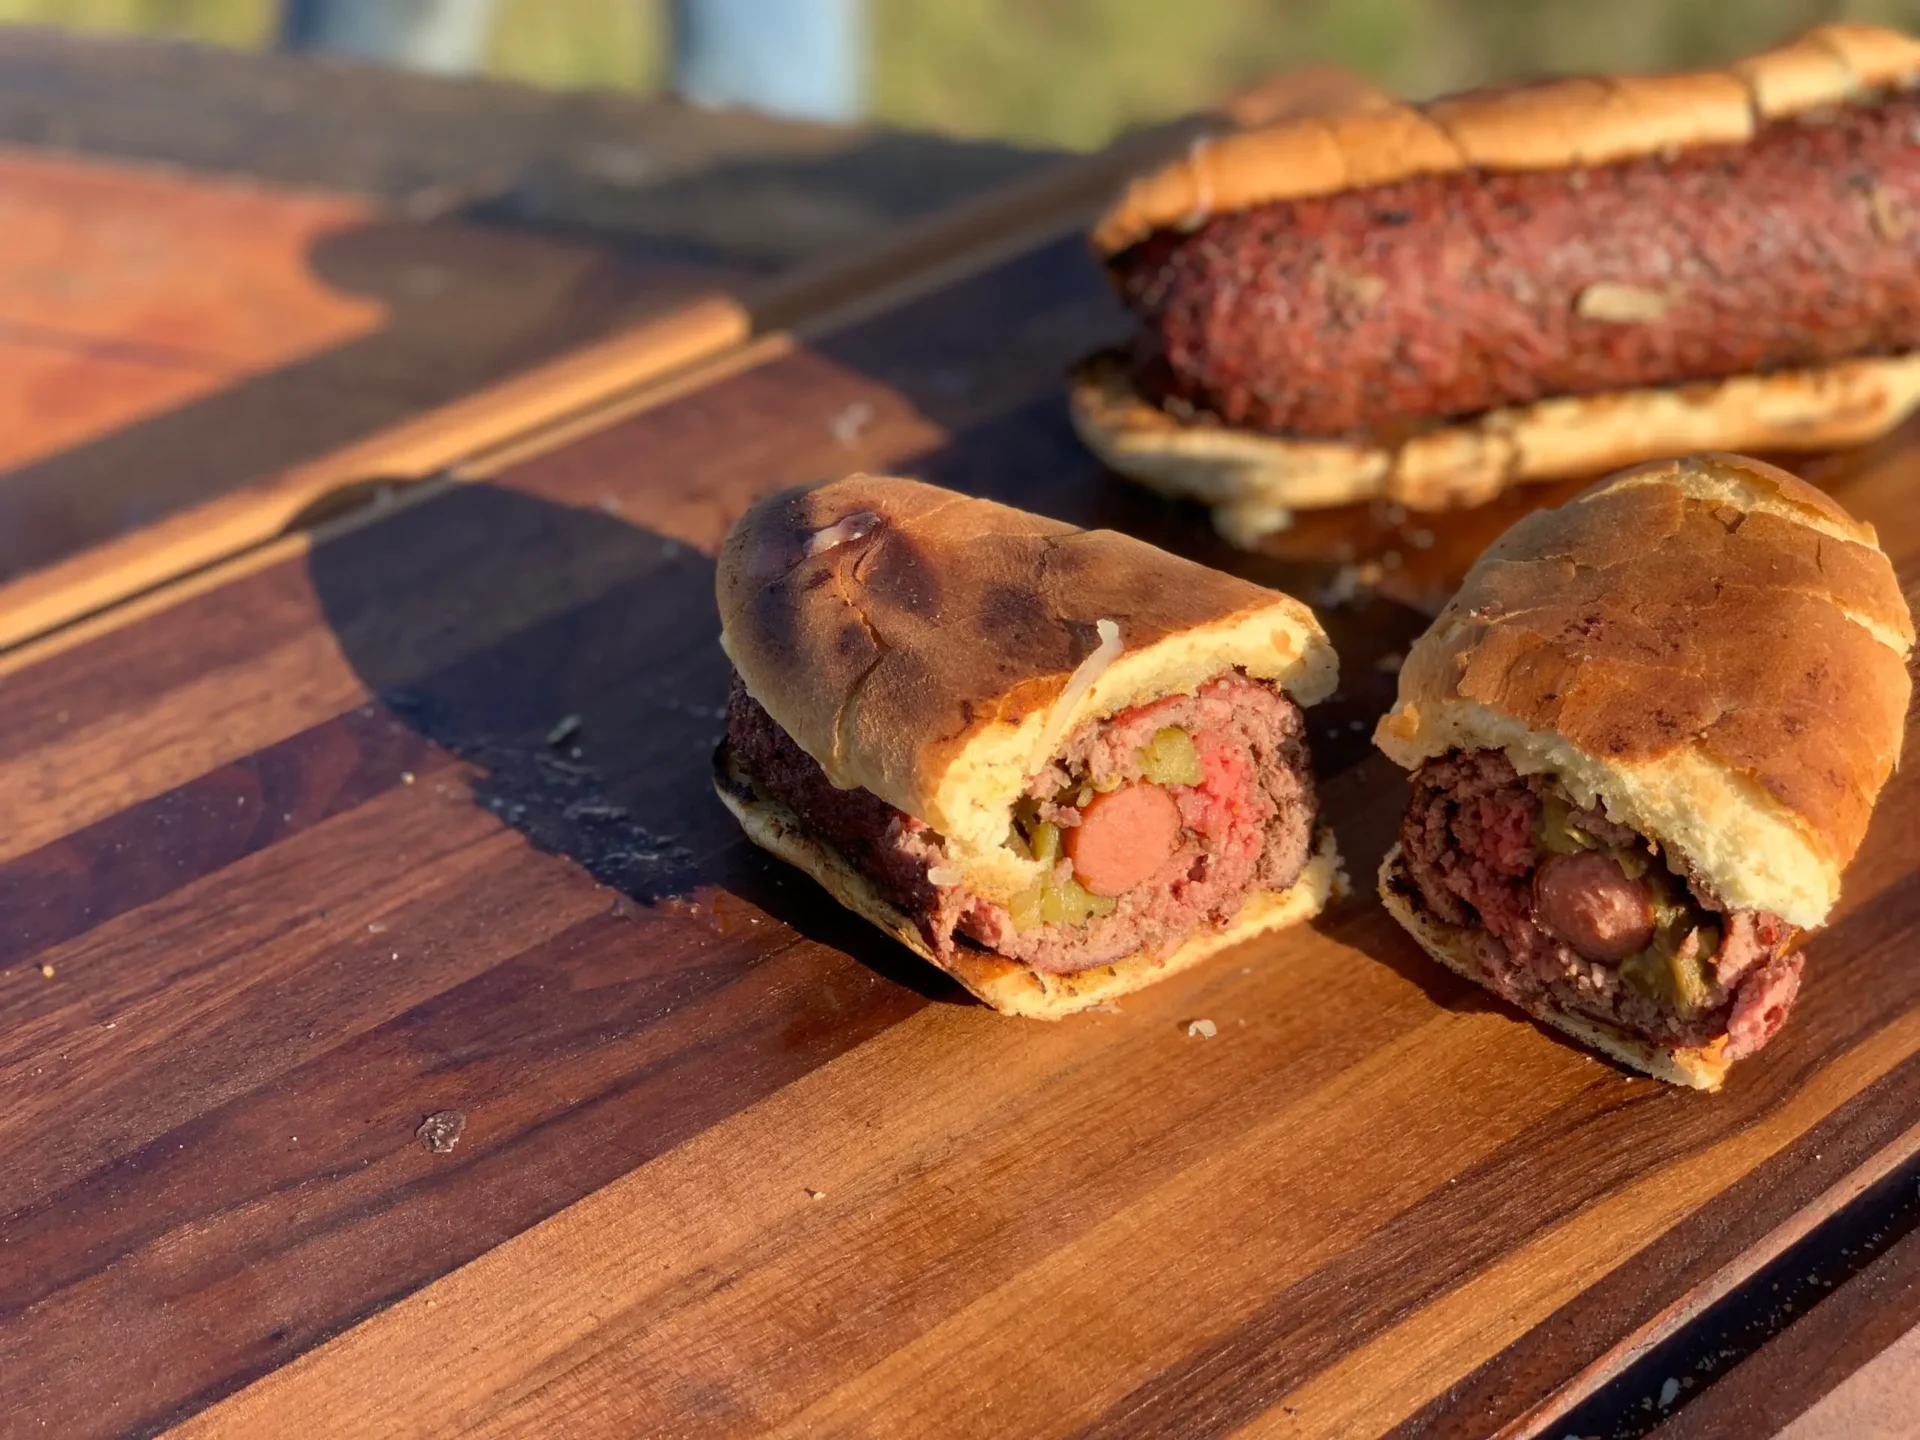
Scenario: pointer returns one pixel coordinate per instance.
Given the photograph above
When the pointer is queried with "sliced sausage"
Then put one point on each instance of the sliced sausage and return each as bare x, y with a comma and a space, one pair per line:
1588, 901
1123, 838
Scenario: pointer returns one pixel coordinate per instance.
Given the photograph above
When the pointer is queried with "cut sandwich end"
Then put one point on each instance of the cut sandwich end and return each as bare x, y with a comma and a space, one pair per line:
1696, 1067
1753, 852
1007, 987
971, 801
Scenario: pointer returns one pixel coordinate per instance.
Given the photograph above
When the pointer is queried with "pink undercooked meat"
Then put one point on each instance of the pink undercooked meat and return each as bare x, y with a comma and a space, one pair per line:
1246, 827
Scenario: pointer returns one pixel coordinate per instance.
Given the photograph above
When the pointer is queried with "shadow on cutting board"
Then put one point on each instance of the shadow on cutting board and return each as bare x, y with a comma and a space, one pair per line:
573, 659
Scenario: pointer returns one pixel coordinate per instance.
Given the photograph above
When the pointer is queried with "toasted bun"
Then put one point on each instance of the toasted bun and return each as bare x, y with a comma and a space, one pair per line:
1255, 481
1710, 647
927, 659
1699, 1067
1558, 124
1010, 988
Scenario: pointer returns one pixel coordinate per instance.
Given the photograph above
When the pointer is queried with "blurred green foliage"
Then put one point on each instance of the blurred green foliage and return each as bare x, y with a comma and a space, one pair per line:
1074, 72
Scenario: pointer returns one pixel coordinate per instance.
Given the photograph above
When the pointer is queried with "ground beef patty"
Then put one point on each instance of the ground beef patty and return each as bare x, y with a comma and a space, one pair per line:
1471, 842
1375, 310
1246, 825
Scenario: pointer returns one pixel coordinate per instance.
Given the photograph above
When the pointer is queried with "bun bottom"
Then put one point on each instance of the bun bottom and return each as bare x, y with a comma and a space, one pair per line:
1010, 988
1697, 1067
1255, 481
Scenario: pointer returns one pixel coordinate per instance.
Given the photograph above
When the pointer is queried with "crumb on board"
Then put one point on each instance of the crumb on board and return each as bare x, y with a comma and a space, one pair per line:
441, 1131
406, 777
564, 729
1349, 583
1105, 1007
1204, 1029
46, 970
813, 1194
1390, 663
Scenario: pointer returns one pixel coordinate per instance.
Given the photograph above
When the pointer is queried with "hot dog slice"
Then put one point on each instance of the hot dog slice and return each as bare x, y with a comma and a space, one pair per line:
1123, 838
1593, 905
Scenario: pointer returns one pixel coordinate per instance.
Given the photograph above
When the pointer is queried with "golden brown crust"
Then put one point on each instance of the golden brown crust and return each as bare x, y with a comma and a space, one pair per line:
1698, 1067
1557, 124
948, 628
1254, 480
1710, 643
1010, 988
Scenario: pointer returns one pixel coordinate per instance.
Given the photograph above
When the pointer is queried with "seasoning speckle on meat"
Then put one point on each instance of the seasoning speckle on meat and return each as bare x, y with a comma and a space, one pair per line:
1445, 296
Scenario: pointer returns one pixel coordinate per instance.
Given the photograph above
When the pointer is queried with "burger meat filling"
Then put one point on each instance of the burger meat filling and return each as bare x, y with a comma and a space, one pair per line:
1149, 826
1572, 911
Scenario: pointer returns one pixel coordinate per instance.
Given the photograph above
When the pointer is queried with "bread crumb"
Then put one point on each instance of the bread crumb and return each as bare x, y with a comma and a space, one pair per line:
1669, 1392
813, 1194
441, 1131
1205, 1029
406, 777
564, 729
1390, 663
1105, 1007
46, 970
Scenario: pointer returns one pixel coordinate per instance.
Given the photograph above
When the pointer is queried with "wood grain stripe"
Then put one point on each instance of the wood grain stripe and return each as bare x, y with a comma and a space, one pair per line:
1584, 1345
145, 852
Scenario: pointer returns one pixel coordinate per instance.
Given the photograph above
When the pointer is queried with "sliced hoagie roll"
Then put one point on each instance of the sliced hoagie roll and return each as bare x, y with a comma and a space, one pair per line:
1428, 303
1059, 764
1647, 736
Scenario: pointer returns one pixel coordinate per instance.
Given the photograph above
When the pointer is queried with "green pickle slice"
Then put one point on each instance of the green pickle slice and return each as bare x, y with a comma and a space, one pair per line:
1170, 759
1057, 901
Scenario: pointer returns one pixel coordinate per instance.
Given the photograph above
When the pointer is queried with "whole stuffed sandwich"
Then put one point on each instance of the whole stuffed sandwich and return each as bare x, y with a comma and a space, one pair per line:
1646, 737
1429, 303
1060, 764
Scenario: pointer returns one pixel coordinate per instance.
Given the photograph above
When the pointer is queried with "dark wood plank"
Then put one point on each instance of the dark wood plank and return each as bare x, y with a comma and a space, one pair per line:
1374, 1188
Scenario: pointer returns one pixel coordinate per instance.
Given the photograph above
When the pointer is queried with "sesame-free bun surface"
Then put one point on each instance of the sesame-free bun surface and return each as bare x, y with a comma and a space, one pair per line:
1585, 120
924, 657
1710, 647
1699, 1067
1011, 988
1255, 481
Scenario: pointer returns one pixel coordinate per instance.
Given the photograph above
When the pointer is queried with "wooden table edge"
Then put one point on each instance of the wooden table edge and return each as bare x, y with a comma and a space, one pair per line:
1695, 1304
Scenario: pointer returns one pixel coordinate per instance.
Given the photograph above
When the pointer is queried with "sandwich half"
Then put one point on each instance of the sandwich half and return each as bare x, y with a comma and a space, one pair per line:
1059, 764
1429, 303
1646, 738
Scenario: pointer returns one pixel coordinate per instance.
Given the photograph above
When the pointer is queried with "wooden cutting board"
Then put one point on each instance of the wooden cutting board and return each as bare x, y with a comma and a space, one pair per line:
396, 1037
167, 338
